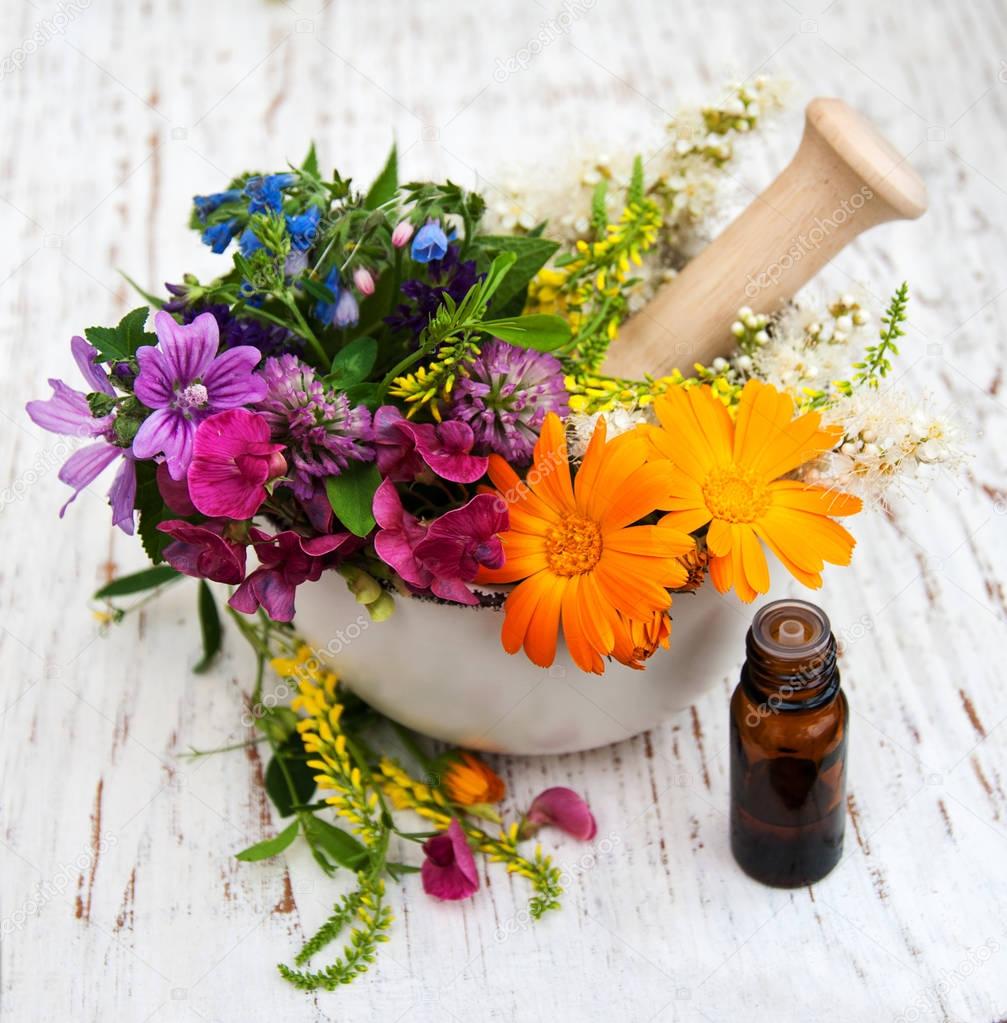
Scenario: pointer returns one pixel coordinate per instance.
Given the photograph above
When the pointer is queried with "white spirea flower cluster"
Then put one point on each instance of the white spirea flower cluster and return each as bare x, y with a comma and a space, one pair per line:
893, 442
581, 425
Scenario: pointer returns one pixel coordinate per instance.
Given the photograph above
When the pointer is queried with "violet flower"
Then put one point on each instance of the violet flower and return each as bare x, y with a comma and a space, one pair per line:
67, 412
505, 397
323, 432
449, 870
233, 461
185, 381
445, 555
285, 561
204, 551
562, 808
449, 276
403, 448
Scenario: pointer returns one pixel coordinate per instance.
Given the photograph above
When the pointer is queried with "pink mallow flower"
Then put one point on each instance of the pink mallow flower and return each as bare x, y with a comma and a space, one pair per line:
563, 809
446, 554
449, 870
184, 380
403, 448
285, 561
232, 461
204, 551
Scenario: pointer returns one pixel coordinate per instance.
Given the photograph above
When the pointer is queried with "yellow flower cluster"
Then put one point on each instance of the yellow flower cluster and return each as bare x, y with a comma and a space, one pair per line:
588, 289
407, 793
432, 384
324, 739
594, 392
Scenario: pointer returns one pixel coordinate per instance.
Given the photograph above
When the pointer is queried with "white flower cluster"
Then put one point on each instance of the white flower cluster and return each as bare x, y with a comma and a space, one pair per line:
811, 350
581, 425
892, 442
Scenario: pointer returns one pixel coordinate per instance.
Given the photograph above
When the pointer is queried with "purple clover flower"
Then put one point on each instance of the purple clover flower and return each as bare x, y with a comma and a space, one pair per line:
322, 431
67, 412
184, 380
506, 396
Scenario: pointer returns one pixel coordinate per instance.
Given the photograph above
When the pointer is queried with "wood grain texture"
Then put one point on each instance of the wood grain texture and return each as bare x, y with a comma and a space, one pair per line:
118, 896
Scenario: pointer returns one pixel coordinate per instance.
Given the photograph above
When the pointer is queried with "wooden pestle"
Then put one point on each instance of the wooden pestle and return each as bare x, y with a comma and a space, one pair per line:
843, 179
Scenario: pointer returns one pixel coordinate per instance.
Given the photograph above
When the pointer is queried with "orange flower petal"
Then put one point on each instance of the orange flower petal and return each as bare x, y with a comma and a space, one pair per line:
819, 500
655, 541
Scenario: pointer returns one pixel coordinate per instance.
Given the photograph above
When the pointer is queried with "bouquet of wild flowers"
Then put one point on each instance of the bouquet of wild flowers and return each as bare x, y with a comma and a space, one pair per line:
382, 386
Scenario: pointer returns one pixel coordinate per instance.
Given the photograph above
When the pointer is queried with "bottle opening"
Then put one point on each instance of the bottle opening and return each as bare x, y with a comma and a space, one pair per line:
791, 629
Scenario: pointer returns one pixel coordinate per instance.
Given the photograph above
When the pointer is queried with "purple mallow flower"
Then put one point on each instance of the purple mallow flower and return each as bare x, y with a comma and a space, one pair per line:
184, 380
322, 431
285, 561
67, 412
505, 398
430, 243
269, 338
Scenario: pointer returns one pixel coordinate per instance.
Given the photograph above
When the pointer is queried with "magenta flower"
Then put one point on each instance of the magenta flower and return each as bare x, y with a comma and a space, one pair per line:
67, 412
445, 555
174, 492
449, 870
232, 461
403, 448
204, 551
285, 561
399, 533
459, 542
562, 808
185, 381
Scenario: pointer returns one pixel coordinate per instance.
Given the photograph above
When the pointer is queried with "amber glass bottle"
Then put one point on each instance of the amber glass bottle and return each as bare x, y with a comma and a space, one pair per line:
788, 748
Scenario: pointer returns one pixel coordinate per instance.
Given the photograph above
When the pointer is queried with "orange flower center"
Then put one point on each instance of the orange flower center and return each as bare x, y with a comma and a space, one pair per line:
734, 494
574, 546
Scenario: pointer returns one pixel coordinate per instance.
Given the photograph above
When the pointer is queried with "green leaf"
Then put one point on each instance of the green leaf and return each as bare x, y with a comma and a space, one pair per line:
209, 624
386, 184
153, 511
146, 579
316, 290
310, 165
269, 847
351, 495
532, 254
120, 343
354, 363
301, 776
541, 331
339, 844
143, 293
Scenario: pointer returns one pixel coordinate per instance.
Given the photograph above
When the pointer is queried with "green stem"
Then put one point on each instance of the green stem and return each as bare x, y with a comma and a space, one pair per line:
306, 332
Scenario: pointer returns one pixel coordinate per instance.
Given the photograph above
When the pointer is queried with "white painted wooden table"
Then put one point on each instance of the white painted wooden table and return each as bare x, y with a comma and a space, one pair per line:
119, 898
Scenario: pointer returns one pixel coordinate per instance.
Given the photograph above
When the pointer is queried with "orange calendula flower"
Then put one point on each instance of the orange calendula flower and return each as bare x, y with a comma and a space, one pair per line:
469, 781
730, 475
574, 550
639, 639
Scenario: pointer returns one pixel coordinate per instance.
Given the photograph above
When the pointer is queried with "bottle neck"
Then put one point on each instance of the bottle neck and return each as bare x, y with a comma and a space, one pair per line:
802, 681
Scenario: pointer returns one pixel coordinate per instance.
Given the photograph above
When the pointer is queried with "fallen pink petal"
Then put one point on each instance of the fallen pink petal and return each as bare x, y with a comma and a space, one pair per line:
564, 809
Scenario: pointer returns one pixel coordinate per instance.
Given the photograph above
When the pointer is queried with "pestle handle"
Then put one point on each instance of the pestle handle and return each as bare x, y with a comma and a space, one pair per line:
844, 179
